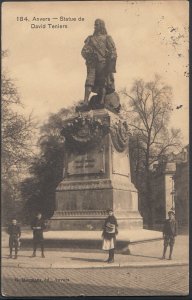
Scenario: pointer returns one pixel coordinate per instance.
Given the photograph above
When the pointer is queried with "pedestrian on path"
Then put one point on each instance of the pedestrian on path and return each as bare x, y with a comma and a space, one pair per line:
169, 233
14, 232
109, 235
38, 226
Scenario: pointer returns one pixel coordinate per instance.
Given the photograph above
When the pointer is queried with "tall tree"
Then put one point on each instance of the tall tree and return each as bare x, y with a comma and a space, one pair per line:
16, 149
150, 107
46, 170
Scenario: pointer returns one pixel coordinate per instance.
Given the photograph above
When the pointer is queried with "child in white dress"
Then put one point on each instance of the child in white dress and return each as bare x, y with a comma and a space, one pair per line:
109, 235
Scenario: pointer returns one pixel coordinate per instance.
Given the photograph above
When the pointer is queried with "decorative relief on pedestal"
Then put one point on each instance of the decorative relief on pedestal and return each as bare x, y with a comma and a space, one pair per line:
93, 214
119, 134
67, 214
85, 131
62, 213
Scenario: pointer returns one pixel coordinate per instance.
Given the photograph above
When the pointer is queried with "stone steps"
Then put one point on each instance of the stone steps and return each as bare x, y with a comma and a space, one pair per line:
87, 239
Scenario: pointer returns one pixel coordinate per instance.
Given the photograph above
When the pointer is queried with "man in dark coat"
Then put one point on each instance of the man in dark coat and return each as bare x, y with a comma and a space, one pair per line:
169, 233
38, 226
14, 232
100, 55
109, 235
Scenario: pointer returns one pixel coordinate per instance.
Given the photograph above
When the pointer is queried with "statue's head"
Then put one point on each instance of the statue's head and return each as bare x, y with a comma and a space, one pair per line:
100, 27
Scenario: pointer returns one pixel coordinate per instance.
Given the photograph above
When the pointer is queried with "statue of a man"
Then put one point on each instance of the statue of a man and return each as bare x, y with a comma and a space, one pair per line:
100, 55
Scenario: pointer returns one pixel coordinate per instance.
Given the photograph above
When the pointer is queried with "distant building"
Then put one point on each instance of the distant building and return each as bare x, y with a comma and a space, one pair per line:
162, 190
181, 179
170, 187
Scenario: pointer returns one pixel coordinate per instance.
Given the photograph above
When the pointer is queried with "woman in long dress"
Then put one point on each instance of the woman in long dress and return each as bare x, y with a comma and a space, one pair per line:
109, 235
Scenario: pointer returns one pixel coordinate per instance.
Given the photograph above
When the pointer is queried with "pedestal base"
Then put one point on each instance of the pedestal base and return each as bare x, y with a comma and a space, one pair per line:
78, 203
91, 222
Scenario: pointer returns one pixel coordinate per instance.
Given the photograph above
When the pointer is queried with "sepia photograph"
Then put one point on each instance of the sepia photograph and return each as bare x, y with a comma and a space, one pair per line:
95, 148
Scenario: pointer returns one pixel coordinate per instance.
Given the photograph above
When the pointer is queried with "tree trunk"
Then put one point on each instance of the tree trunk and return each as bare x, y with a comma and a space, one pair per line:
148, 193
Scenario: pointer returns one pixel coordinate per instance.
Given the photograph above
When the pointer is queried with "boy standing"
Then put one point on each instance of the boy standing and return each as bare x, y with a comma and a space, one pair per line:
169, 233
38, 226
14, 232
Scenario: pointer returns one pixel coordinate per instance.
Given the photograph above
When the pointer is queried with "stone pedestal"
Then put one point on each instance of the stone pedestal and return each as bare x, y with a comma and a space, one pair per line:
96, 174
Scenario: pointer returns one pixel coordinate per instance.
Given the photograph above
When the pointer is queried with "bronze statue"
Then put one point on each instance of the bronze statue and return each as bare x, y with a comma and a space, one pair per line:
100, 55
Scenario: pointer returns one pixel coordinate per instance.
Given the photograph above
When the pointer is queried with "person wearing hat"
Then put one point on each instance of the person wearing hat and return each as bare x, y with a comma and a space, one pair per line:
169, 233
14, 232
109, 235
38, 226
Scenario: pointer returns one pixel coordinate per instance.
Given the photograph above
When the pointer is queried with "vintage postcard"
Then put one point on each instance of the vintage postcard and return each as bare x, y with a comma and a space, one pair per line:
95, 148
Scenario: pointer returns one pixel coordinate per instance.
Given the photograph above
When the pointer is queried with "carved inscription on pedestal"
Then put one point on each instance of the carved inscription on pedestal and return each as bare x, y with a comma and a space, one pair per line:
88, 163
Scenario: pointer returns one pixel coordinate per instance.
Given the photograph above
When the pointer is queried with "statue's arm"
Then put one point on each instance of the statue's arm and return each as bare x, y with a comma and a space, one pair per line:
111, 47
112, 55
87, 50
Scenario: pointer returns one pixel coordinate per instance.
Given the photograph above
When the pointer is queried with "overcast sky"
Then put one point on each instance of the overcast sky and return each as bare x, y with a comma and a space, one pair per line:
150, 36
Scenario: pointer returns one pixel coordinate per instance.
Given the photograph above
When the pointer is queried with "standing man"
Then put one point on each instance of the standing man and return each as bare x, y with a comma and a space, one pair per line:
14, 232
38, 226
100, 55
169, 233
